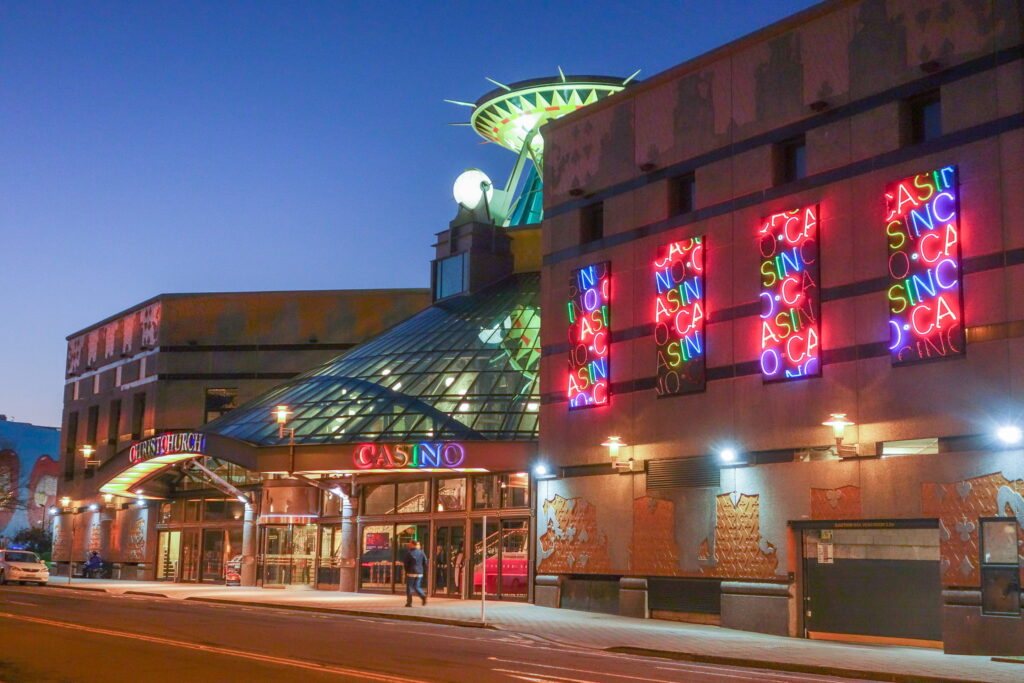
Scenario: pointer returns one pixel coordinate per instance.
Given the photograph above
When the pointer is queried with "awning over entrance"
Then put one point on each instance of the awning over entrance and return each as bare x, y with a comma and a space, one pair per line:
124, 483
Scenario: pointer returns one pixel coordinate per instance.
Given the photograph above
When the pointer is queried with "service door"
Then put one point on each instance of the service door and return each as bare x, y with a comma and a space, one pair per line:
877, 584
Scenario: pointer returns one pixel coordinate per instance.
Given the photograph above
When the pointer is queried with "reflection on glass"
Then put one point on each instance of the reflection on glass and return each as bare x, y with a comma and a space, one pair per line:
451, 495
449, 559
289, 554
379, 499
412, 496
404, 535
486, 492
999, 541
213, 555
515, 490
375, 561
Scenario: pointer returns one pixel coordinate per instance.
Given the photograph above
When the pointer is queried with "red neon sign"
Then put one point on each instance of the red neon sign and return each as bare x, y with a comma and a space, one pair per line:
922, 224
790, 295
679, 314
589, 336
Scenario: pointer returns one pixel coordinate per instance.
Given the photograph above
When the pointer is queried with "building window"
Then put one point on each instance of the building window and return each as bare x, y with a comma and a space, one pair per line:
138, 415
486, 492
451, 276
218, 402
70, 443
592, 223
681, 194
515, 490
92, 425
451, 495
379, 499
791, 160
924, 118
412, 496
114, 422
1000, 566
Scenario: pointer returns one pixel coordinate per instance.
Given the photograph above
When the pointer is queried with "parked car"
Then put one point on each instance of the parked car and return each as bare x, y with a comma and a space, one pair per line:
23, 566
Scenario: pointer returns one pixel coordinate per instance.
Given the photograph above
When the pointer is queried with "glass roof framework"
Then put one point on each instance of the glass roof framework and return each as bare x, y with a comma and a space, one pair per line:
463, 369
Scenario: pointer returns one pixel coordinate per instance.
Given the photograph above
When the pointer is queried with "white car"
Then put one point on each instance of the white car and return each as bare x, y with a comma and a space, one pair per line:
23, 566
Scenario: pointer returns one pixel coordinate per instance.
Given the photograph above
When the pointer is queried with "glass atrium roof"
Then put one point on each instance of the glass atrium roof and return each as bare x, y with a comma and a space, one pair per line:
465, 368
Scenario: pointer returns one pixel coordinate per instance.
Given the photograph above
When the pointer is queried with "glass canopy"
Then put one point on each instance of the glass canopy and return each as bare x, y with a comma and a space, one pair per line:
465, 368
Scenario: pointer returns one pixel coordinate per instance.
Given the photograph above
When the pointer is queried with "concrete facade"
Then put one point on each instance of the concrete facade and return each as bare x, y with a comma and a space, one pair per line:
844, 79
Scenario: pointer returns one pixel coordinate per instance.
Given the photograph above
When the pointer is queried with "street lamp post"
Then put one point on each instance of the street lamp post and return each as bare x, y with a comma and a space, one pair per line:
281, 413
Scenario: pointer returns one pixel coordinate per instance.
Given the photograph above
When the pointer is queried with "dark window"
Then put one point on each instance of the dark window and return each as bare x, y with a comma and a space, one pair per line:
592, 223
924, 118
219, 402
93, 428
681, 194
114, 422
1000, 566
791, 162
486, 492
70, 443
138, 415
451, 276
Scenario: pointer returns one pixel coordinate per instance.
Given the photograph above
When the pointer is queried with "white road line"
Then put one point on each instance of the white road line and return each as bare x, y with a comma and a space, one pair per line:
322, 668
18, 602
581, 671
527, 677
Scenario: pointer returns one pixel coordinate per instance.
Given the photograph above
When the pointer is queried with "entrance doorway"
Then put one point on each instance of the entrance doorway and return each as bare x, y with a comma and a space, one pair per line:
503, 559
189, 556
449, 560
875, 583
289, 554
168, 549
383, 548
212, 568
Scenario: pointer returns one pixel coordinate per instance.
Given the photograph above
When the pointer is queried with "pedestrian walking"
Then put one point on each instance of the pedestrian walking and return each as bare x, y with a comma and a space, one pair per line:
415, 563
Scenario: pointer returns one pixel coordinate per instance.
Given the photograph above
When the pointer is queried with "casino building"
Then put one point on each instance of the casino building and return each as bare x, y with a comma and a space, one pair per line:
780, 371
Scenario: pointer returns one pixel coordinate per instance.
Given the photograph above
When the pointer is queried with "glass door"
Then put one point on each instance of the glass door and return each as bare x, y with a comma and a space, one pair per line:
168, 550
328, 573
404, 535
213, 556
449, 560
375, 559
190, 556
502, 562
289, 554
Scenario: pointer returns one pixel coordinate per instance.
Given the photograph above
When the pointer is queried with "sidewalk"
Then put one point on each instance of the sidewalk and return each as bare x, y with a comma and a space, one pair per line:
600, 631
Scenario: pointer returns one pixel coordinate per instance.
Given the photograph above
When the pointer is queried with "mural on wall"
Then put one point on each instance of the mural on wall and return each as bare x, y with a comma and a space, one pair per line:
653, 550
28, 475
572, 542
958, 507
133, 543
840, 503
739, 550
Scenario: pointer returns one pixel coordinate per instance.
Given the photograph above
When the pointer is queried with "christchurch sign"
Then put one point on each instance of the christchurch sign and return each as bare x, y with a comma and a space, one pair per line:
178, 443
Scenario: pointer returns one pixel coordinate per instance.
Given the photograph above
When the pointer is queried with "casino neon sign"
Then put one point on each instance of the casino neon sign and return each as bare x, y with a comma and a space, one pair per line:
679, 314
589, 336
790, 295
426, 455
922, 226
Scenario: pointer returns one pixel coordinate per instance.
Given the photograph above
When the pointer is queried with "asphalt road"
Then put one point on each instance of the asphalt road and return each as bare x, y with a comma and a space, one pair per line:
49, 634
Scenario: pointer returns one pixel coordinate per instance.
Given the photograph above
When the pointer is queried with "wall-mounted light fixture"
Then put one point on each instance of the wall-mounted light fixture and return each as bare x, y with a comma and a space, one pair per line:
839, 423
87, 451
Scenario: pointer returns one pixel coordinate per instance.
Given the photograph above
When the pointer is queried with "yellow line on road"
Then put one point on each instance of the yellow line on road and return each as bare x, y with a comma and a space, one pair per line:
269, 659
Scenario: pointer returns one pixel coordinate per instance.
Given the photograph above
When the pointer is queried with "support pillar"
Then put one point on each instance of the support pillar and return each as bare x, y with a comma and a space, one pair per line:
349, 543
106, 514
248, 569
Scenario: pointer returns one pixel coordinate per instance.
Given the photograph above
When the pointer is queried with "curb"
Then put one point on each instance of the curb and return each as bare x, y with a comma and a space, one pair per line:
349, 612
787, 666
92, 589
147, 594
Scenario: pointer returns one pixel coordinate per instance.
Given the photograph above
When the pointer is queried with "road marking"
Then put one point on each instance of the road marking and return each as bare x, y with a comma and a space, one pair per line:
527, 677
581, 671
323, 668
18, 602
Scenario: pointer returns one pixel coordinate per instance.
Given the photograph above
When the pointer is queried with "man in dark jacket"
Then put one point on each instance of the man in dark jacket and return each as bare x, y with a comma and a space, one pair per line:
415, 562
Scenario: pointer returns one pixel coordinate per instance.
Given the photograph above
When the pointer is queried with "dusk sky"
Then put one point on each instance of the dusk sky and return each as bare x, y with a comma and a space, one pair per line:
215, 146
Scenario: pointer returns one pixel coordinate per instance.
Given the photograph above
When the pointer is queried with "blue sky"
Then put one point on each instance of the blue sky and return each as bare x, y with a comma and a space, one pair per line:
206, 146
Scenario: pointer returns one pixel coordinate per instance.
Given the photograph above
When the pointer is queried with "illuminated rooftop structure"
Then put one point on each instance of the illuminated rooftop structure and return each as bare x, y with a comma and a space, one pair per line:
465, 368
511, 116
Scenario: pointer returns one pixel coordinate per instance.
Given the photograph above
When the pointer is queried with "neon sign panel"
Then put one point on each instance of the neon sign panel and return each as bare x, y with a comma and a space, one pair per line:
177, 443
790, 295
589, 336
418, 456
679, 313
922, 216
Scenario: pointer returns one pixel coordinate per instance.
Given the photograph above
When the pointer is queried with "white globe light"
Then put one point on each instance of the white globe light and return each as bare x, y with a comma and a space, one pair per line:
468, 189
1010, 434
727, 454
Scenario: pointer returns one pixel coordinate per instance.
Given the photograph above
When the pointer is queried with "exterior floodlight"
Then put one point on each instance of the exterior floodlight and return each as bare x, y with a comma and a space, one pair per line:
1010, 434
540, 469
243, 499
93, 507
54, 511
471, 187
838, 423
65, 502
107, 497
728, 454
613, 444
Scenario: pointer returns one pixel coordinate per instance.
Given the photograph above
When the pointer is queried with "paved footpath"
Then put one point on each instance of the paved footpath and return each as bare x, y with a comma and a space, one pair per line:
693, 642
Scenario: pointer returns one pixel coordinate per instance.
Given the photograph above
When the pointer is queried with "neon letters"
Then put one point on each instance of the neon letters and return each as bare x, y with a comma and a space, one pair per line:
679, 313
790, 295
922, 226
589, 336
424, 455
167, 444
